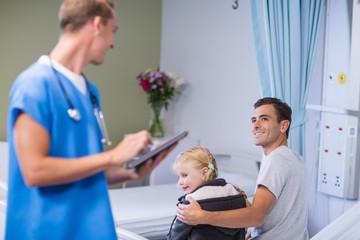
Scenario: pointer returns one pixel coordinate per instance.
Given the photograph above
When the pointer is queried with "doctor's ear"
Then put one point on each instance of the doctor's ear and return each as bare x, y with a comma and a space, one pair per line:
96, 24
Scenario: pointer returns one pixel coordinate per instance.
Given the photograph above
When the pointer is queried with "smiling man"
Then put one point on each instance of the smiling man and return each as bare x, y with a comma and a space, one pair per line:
279, 208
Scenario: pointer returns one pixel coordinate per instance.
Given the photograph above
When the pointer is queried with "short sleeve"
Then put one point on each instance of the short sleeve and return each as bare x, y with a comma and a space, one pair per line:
29, 94
273, 174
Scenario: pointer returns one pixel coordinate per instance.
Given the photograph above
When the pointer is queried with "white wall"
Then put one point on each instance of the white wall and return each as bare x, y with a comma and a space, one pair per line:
325, 208
210, 44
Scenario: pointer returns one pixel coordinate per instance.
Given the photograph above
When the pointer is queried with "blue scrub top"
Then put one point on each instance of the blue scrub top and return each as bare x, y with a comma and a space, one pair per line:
78, 210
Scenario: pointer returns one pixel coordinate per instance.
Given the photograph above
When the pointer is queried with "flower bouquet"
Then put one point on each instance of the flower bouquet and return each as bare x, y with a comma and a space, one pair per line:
160, 88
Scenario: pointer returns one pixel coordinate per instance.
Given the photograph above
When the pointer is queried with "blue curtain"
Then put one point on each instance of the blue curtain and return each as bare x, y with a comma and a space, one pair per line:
285, 34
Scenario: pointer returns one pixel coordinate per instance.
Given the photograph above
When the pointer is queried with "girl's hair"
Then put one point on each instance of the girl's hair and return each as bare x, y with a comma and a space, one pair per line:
200, 157
74, 14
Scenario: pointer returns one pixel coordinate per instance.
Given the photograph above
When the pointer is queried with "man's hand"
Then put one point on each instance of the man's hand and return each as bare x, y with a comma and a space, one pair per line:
248, 235
191, 214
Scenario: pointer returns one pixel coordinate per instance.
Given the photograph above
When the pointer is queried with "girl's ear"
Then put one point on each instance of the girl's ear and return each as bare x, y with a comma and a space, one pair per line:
204, 171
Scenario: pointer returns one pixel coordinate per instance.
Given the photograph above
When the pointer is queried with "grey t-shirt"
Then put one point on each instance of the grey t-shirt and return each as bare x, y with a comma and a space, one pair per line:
283, 172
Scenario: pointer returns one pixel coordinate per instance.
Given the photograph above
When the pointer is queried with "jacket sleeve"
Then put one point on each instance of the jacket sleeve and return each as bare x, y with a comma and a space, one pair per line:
179, 230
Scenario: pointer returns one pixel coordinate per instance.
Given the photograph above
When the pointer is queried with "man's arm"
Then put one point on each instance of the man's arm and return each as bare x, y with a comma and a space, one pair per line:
252, 216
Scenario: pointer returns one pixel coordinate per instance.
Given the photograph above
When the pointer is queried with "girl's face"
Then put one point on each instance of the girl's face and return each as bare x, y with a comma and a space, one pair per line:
189, 177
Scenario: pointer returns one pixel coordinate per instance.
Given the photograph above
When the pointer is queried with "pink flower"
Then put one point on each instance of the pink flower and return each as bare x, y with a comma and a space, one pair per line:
145, 84
159, 86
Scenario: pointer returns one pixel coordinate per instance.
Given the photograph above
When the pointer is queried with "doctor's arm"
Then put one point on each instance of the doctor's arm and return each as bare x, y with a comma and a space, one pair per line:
253, 216
32, 143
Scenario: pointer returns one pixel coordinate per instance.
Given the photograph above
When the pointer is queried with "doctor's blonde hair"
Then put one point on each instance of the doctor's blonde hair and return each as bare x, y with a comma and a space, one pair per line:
201, 158
74, 14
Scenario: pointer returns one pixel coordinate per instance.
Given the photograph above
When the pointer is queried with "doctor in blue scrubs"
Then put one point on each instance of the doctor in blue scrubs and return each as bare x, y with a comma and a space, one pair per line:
58, 171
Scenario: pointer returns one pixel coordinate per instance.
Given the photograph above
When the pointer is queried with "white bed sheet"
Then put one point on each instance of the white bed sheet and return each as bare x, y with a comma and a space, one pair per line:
149, 210
3, 194
3, 186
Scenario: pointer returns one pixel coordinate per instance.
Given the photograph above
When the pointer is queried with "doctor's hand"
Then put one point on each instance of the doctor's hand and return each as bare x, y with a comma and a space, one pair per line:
146, 168
116, 173
191, 214
129, 147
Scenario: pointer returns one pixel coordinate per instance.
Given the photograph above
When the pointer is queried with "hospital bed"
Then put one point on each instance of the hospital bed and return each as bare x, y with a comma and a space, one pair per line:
3, 185
149, 210
3, 191
121, 233
146, 212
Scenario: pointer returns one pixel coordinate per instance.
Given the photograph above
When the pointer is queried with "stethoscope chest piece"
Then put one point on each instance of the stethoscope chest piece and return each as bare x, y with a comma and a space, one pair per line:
74, 114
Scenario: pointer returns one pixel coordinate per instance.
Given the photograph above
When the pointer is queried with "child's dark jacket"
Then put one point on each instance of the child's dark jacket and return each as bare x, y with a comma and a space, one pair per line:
228, 199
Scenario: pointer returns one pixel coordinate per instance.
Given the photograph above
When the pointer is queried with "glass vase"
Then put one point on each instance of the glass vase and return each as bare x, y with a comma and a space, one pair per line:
156, 128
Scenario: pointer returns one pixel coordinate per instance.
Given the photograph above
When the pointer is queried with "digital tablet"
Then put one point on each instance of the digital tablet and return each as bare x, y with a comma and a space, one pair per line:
141, 158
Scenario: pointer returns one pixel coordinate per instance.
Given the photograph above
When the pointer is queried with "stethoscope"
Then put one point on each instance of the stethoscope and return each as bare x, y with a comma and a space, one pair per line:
74, 114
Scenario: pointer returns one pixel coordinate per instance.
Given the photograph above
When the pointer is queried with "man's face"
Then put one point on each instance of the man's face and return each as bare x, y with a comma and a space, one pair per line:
266, 128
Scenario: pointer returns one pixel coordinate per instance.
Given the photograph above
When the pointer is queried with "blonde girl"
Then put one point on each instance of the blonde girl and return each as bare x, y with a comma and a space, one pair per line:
198, 177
